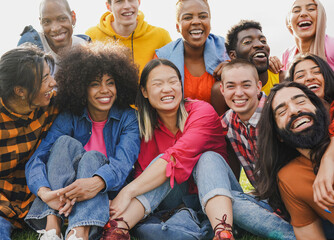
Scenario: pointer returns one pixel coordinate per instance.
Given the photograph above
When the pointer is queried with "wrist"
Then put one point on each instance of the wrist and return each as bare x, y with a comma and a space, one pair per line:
99, 182
42, 191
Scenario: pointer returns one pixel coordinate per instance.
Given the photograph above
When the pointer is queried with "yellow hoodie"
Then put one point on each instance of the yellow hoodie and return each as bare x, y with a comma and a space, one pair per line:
142, 42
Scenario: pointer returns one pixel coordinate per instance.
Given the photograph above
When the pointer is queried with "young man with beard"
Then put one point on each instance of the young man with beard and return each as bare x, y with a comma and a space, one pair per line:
293, 136
57, 21
246, 41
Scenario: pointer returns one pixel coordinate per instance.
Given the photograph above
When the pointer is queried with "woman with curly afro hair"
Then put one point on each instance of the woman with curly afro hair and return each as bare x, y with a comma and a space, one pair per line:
92, 145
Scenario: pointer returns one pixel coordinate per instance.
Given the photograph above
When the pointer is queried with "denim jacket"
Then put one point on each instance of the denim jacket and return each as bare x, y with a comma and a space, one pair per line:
214, 53
29, 34
121, 136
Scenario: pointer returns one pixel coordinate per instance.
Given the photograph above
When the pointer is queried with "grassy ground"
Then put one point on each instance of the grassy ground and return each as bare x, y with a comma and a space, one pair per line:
30, 235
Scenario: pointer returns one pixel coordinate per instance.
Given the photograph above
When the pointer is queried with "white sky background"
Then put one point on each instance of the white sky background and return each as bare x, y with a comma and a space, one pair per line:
15, 14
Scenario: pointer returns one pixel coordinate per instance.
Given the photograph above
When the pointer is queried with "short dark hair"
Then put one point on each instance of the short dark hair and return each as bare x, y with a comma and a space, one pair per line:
275, 154
325, 69
179, 5
23, 66
237, 63
86, 63
64, 2
232, 35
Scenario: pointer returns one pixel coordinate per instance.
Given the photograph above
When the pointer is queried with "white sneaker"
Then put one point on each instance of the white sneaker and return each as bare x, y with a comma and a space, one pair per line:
73, 237
49, 235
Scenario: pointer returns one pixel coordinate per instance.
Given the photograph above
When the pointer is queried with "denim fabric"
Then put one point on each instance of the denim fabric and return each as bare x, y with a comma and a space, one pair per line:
214, 53
214, 177
185, 224
6, 229
69, 161
328, 229
121, 136
29, 34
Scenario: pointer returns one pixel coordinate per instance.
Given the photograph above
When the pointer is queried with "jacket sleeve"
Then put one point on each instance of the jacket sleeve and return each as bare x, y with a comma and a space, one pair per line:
115, 173
35, 168
30, 35
203, 132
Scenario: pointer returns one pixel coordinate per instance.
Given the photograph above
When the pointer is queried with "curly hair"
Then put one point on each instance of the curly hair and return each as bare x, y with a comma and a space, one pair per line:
232, 35
85, 63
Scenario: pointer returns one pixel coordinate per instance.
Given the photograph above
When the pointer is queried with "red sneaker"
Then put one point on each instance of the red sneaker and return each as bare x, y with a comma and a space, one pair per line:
223, 230
112, 232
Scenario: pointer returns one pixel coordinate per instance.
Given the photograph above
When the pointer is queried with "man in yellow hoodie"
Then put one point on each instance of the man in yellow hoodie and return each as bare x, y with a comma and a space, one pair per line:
125, 23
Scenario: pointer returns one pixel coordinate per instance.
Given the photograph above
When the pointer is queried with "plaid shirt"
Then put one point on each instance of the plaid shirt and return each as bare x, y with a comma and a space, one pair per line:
243, 137
19, 137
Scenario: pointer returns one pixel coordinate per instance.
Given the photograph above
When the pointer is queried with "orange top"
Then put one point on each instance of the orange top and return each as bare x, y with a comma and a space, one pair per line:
295, 181
198, 87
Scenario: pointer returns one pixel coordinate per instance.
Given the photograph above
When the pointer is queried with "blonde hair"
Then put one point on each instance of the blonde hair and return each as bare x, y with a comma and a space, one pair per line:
318, 44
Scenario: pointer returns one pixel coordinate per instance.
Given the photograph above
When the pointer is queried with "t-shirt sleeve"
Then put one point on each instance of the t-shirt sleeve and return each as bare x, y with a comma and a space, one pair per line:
202, 132
301, 213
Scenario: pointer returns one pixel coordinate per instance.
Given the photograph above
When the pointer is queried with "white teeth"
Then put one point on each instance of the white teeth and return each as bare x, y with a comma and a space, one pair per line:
196, 32
104, 99
167, 98
304, 23
48, 93
312, 86
260, 55
239, 101
127, 14
59, 36
300, 122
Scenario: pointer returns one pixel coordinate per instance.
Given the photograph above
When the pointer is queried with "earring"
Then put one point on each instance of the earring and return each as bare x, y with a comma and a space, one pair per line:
73, 26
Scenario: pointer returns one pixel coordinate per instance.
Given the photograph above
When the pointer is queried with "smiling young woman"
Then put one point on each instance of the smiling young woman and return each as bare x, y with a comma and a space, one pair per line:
198, 52
91, 148
175, 133
26, 114
306, 21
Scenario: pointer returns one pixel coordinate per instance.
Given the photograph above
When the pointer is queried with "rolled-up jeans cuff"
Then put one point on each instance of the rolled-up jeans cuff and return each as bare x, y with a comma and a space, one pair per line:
146, 204
213, 193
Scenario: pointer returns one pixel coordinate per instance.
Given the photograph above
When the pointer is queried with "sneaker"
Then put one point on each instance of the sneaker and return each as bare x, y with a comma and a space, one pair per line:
112, 232
49, 235
223, 230
73, 237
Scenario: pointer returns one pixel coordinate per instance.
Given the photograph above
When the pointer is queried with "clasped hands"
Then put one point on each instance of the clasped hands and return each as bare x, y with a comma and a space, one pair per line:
64, 199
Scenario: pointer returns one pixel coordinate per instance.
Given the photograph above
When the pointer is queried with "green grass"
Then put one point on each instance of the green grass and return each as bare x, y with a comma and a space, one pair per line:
31, 235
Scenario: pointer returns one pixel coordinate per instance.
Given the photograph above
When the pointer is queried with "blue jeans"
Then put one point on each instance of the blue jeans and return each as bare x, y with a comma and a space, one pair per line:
69, 161
163, 196
214, 177
6, 229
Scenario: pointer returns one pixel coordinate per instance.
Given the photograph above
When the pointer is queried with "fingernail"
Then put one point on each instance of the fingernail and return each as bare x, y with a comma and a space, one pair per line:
328, 211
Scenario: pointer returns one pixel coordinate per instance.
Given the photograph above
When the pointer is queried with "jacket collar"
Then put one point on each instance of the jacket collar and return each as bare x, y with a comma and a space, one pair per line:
114, 113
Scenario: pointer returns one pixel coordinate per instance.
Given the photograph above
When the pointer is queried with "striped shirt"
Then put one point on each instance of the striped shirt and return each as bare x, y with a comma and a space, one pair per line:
243, 137
19, 137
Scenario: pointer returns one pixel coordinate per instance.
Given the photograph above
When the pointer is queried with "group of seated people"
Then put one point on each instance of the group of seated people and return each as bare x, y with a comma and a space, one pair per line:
123, 131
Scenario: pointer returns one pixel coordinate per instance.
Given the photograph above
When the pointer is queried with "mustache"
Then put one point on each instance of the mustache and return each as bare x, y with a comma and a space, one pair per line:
294, 117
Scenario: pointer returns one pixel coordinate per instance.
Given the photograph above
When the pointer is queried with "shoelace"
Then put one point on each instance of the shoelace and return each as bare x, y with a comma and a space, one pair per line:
43, 232
224, 229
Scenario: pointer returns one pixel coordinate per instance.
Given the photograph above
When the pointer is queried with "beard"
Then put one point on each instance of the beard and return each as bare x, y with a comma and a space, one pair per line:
260, 68
309, 137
